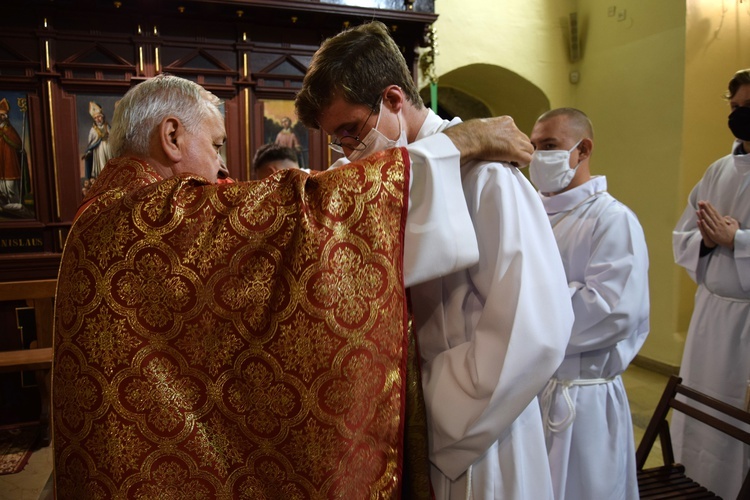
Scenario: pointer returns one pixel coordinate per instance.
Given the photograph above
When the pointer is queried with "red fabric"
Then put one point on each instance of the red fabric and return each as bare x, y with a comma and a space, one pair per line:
10, 147
243, 340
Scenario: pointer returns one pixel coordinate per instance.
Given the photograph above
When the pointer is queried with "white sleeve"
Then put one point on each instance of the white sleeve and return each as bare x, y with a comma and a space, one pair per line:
686, 238
742, 256
611, 304
440, 237
493, 336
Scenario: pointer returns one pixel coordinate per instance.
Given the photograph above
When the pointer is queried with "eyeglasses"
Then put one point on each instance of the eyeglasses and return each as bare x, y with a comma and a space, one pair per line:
351, 142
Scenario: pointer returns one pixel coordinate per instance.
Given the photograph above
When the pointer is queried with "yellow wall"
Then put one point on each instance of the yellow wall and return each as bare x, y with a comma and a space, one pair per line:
718, 44
651, 77
523, 36
632, 88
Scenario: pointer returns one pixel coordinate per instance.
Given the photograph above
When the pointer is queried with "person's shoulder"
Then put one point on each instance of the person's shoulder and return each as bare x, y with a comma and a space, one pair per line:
497, 172
722, 163
608, 203
719, 168
616, 212
490, 168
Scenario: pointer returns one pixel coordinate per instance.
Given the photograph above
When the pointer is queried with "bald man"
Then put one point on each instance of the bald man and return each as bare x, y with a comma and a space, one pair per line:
585, 409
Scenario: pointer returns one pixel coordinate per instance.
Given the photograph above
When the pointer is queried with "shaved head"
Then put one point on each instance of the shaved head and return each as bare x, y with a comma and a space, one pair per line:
577, 120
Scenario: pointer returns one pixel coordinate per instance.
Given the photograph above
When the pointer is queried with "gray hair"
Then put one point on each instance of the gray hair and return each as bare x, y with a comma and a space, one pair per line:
147, 104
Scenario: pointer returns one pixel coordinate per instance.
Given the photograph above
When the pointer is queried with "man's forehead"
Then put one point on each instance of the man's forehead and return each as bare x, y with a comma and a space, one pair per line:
742, 96
339, 113
554, 128
215, 125
547, 129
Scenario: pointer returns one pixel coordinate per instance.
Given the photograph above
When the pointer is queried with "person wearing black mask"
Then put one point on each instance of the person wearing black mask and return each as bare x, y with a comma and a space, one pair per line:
712, 242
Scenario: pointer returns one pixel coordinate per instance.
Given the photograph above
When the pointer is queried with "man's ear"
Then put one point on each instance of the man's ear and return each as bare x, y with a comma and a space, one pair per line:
394, 97
585, 148
170, 130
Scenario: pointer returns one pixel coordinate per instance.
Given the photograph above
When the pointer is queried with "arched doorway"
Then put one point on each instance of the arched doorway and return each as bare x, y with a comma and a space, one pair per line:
483, 90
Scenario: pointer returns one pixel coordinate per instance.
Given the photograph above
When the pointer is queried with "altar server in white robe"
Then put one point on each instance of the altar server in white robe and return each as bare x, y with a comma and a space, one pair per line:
712, 242
585, 409
486, 348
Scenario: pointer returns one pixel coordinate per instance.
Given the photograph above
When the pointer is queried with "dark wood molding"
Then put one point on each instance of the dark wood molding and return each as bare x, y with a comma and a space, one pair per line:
53, 52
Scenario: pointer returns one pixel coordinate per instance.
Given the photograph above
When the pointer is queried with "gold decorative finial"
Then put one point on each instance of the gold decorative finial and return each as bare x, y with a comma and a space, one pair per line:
181, 9
428, 56
294, 19
346, 25
240, 13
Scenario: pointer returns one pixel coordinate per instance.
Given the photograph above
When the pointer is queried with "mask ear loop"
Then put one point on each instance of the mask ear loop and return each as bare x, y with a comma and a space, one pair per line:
570, 151
400, 125
398, 117
380, 113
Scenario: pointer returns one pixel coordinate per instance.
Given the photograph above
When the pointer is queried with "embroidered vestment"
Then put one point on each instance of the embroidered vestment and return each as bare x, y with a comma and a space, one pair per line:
244, 340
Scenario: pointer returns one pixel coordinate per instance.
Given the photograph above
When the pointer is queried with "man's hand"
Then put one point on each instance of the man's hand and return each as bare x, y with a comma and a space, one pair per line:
715, 228
491, 139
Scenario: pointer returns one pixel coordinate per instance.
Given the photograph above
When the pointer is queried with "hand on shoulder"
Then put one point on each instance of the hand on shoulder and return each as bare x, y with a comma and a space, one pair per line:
491, 139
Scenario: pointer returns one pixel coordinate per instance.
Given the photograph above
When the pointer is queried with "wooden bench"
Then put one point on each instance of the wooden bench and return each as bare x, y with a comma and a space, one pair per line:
671, 479
40, 295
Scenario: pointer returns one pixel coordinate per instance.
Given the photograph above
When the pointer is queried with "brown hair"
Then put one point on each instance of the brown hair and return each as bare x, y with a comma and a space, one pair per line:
357, 64
272, 152
742, 77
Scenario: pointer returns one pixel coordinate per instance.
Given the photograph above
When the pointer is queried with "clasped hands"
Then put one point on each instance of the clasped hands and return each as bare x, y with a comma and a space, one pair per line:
716, 229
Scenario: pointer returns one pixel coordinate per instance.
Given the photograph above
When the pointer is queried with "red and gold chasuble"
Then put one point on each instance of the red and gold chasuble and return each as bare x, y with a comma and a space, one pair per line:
245, 340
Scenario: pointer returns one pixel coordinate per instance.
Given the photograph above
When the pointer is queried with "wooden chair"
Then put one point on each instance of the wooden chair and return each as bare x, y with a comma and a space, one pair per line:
40, 295
671, 479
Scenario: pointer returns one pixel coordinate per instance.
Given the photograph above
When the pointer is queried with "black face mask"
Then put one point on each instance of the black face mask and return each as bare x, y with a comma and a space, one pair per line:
739, 123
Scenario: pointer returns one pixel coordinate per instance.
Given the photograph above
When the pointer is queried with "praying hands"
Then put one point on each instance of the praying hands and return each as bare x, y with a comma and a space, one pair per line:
715, 228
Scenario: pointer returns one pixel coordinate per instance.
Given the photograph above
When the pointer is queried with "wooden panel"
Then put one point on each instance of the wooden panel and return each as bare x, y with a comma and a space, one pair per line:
20, 290
242, 50
28, 359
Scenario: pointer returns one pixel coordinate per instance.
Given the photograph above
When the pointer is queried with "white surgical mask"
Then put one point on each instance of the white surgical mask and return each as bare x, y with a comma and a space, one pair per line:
550, 170
375, 141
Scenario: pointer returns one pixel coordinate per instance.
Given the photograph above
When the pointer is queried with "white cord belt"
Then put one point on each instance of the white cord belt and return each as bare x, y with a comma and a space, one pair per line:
547, 399
743, 300
469, 494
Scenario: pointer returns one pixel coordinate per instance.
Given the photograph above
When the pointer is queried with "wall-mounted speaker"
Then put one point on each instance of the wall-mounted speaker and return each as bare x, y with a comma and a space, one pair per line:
574, 45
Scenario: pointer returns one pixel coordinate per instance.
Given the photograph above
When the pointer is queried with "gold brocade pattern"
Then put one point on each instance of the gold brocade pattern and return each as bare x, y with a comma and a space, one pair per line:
244, 340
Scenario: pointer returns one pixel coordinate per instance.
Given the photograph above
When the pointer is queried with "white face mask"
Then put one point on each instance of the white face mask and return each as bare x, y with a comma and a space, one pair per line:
550, 170
375, 141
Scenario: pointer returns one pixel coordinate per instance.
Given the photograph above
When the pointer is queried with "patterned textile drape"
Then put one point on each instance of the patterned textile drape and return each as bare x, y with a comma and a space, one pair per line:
246, 340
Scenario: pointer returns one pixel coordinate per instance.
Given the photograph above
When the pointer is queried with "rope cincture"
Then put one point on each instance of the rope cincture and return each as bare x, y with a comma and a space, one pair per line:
548, 397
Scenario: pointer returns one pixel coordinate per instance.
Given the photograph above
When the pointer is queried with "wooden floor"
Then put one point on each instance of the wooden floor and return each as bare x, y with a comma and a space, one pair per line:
644, 388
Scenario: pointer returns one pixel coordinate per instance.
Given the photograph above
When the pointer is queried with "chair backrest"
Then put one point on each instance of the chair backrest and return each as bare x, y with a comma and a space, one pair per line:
40, 294
690, 406
34, 289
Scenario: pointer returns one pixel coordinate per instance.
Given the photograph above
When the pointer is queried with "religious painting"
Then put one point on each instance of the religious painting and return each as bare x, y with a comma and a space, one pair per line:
93, 113
16, 168
280, 126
